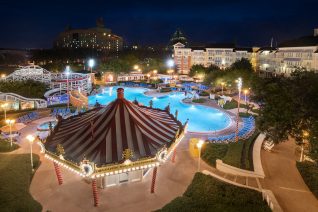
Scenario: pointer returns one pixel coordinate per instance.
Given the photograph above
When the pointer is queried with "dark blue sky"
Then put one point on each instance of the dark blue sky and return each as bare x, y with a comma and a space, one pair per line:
35, 24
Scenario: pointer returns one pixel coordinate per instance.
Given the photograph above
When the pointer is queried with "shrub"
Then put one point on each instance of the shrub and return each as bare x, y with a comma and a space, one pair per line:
209, 194
309, 172
164, 90
211, 152
5, 146
204, 93
201, 100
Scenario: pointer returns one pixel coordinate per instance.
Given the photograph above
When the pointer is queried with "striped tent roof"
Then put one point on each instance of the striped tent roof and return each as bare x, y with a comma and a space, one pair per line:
102, 134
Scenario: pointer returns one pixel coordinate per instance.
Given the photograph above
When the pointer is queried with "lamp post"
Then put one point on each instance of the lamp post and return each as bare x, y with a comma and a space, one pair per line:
170, 63
245, 93
305, 135
10, 122
31, 139
199, 145
222, 83
239, 86
136, 67
91, 63
4, 106
148, 77
67, 72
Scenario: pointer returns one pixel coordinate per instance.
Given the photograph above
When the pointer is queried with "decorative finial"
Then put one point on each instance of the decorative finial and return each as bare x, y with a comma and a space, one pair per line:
127, 154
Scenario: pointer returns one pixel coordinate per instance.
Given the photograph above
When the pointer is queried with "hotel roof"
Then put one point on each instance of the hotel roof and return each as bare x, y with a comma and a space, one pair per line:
302, 41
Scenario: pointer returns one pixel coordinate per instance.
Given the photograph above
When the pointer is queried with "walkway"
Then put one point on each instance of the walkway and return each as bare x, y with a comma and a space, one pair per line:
283, 178
76, 194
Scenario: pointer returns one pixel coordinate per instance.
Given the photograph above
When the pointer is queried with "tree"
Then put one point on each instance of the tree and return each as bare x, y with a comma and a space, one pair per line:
288, 107
241, 68
242, 64
27, 88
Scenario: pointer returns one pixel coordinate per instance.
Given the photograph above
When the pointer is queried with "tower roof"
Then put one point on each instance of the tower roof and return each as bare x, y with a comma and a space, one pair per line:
178, 37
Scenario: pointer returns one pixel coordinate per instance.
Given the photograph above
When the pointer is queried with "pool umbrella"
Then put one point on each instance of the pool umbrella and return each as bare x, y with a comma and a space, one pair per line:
14, 128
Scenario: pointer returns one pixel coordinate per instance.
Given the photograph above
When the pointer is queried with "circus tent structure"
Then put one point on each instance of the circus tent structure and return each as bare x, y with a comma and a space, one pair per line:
114, 144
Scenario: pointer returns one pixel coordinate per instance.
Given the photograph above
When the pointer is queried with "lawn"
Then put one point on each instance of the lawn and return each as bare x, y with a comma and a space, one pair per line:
234, 154
309, 172
5, 146
201, 100
209, 194
15, 181
232, 104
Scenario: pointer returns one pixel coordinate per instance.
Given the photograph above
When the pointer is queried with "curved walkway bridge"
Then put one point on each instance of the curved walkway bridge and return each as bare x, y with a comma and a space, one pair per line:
62, 81
13, 97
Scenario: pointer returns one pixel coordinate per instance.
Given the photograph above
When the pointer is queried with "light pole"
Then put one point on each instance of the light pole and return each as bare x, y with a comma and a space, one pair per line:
222, 83
148, 77
245, 92
239, 86
305, 135
4, 106
31, 139
170, 63
91, 63
136, 67
199, 145
10, 122
67, 72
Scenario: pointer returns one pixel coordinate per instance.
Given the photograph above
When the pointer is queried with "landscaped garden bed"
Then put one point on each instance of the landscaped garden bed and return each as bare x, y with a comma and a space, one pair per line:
233, 104
209, 194
235, 154
15, 178
5, 146
201, 100
309, 172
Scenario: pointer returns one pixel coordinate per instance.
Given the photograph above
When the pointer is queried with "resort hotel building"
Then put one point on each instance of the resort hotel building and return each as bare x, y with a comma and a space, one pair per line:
283, 59
221, 55
289, 55
99, 38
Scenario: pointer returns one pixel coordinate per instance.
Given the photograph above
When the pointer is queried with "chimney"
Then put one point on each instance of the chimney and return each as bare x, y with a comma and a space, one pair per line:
120, 93
316, 32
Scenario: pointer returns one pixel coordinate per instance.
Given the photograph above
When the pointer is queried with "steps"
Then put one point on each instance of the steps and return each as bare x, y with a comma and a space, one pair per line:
251, 182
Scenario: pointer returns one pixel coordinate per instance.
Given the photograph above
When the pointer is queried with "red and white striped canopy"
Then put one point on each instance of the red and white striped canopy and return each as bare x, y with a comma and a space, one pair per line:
102, 134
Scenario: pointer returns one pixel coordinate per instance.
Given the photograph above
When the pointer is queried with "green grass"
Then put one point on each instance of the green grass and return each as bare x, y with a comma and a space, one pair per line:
201, 100
15, 181
5, 146
309, 172
209, 194
211, 152
233, 104
236, 154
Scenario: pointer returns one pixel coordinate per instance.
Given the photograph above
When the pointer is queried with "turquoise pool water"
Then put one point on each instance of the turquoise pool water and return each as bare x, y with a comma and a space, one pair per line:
201, 118
45, 126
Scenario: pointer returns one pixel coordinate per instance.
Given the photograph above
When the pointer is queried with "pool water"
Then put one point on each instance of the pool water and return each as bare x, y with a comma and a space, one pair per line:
201, 118
45, 126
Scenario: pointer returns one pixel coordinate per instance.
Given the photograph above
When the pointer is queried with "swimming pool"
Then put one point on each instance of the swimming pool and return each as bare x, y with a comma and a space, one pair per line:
46, 126
201, 118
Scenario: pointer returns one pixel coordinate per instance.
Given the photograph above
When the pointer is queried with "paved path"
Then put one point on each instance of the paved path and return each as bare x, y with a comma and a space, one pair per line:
76, 195
283, 178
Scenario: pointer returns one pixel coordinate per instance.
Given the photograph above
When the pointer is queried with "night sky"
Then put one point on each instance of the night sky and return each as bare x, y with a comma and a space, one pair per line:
35, 24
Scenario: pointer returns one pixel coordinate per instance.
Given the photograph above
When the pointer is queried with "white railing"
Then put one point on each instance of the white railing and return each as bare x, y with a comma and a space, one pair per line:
39, 103
54, 80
